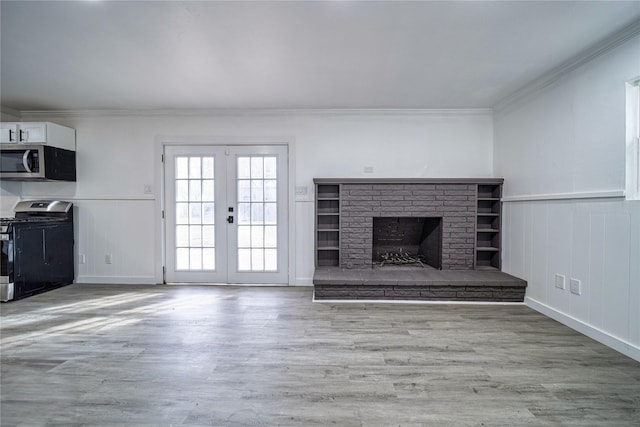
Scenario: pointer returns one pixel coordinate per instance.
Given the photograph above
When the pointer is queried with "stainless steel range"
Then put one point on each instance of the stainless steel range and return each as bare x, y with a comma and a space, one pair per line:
36, 248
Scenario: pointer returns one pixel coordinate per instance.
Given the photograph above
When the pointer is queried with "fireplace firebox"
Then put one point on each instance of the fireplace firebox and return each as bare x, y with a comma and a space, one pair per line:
418, 237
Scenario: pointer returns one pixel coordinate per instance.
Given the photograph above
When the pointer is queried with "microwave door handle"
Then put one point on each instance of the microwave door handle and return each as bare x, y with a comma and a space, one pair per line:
25, 160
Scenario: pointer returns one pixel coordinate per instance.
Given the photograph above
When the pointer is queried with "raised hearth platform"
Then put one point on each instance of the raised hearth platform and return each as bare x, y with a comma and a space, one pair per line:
416, 284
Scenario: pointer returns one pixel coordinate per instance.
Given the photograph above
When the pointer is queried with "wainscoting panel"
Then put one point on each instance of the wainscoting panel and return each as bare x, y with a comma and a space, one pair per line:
121, 229
587, 240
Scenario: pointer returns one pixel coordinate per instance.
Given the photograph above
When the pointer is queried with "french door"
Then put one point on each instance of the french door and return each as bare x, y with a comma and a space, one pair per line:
226, 214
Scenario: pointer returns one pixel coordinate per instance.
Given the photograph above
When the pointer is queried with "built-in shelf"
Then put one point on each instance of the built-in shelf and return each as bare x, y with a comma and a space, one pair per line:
328, 207
488, 215
327, 241
328, 191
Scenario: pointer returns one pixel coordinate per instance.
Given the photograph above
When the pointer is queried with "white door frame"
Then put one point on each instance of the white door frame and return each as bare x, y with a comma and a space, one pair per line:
159, 191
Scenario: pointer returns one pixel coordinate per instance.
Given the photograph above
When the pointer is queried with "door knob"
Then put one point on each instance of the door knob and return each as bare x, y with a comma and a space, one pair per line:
230, 219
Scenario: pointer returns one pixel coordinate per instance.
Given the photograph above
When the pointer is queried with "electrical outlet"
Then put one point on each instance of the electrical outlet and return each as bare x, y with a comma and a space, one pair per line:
82, 259
561, 281
302, 190
108, 259
574, 286
148, 189
368, 169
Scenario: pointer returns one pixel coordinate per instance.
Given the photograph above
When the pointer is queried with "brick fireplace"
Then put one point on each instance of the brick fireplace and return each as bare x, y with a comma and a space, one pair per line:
452, 205
452, 225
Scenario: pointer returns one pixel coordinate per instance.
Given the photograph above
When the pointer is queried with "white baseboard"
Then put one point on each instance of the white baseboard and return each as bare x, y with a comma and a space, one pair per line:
118, 280
618, 344
150, 280
302, 281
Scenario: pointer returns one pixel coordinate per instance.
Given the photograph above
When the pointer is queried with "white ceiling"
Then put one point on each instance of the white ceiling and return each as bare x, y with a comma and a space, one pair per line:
293, 54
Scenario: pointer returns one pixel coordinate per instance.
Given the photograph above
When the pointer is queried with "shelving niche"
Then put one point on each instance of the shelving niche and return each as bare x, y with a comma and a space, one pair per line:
327, 216
488, 214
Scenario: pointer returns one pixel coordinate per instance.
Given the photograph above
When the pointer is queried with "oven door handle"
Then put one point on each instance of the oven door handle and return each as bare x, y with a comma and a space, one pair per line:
25, 160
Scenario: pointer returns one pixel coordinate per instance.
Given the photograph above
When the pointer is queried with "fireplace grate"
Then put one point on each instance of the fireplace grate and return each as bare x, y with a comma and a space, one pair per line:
401, 258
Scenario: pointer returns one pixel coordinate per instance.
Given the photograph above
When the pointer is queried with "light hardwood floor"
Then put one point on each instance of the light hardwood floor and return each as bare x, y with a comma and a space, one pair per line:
204, 355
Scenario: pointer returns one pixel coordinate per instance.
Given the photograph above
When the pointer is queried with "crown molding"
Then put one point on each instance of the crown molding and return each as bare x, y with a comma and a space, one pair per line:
570, 65
35, 114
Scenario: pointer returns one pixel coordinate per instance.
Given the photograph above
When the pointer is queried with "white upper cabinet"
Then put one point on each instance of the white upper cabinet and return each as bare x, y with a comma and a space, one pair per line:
38, 133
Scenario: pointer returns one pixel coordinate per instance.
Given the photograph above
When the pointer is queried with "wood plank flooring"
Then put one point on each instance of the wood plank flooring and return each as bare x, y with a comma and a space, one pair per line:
243, 356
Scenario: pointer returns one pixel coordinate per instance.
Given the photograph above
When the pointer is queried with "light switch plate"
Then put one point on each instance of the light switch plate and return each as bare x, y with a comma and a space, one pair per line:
561, 281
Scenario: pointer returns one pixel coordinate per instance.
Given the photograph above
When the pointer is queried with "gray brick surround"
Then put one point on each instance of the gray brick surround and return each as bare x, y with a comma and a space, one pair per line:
454, 203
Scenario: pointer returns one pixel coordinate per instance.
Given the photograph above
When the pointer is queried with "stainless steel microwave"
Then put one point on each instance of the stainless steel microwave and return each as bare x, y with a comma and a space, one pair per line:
36, 162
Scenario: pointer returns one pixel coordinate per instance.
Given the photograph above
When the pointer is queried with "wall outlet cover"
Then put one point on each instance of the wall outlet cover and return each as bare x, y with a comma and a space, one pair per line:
108, 259
302, 190
368, 169
574, 286
561, 281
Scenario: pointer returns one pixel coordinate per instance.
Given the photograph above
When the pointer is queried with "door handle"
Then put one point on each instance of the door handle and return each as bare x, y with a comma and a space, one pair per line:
230, 219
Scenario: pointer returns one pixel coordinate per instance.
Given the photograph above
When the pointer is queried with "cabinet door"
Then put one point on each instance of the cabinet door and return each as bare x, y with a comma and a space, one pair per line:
32, 132
9, 132
44, 257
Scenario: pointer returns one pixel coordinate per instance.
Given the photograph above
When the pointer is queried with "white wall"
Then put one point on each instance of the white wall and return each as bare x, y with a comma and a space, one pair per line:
562, 154
8, 115
9, 195
115, 157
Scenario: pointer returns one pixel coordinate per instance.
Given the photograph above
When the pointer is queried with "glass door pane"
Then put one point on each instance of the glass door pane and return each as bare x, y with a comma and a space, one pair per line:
257, 213
195, 247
